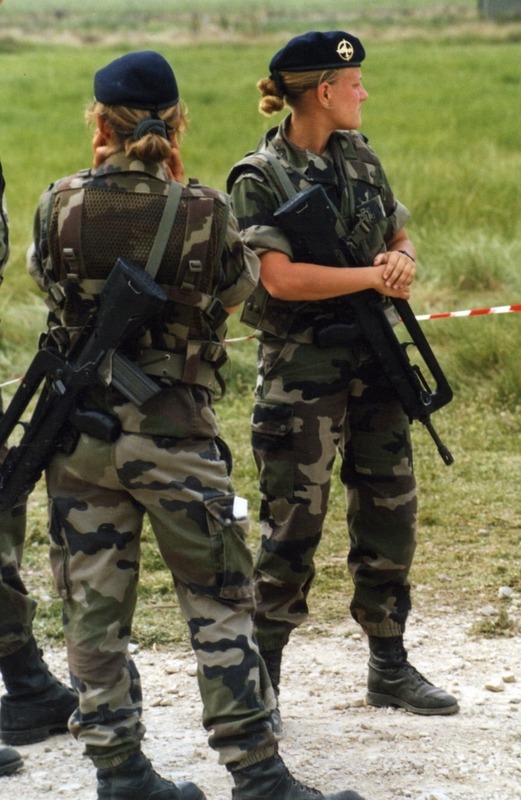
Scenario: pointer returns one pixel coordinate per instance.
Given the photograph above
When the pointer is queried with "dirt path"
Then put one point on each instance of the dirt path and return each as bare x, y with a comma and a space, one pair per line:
332, 739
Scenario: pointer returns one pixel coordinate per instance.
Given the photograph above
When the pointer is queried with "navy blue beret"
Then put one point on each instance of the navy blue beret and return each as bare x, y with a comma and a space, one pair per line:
137, 80
318, 50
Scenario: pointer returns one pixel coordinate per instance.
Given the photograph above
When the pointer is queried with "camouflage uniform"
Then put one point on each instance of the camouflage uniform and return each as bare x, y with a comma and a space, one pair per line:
169, 462
313, 402
17, 607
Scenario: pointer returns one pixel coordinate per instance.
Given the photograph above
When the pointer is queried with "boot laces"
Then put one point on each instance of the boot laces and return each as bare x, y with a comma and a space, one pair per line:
416, 674
298, 785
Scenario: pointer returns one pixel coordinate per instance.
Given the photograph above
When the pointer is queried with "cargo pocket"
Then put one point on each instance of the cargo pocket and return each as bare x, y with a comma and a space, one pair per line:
272, 442
232, 557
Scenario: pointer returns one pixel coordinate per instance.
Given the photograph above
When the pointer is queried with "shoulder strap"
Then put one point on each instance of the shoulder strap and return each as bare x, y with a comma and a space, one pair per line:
269, 165
165, 227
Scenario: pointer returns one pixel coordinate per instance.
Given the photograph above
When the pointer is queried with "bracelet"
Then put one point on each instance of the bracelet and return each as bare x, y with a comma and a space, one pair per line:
405, 253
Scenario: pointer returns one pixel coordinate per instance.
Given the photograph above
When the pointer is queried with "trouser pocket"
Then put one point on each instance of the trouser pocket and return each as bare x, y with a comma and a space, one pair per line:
272, 442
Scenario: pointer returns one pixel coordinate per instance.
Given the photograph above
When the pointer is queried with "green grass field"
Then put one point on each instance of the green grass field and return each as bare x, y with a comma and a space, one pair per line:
443, 115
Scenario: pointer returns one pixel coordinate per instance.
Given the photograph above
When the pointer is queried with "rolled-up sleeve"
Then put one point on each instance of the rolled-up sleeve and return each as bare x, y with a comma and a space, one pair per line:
401, 215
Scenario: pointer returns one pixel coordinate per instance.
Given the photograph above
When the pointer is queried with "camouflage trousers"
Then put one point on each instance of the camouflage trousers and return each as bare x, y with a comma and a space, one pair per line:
98, 498
311, 404
17, 609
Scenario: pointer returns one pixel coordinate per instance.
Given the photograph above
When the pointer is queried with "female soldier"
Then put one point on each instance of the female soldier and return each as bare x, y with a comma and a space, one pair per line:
319, 391
162, 457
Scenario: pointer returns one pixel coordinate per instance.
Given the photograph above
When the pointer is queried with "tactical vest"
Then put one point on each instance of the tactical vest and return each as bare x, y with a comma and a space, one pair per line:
282, 318
185, 342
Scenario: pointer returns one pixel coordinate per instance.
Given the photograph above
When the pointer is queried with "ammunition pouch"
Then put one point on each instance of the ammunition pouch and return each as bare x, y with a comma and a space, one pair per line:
265, 313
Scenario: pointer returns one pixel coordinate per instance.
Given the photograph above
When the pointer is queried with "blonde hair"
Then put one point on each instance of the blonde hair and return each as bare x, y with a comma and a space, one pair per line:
123, 121
289, 88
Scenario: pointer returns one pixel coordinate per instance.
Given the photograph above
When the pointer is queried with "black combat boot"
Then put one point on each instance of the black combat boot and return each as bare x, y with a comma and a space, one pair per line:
36, 705
273, 661
392, 681
10, 760
271, 780
135, 779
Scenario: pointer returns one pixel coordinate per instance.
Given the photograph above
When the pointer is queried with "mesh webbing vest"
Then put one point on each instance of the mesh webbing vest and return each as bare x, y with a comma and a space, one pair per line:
89, 229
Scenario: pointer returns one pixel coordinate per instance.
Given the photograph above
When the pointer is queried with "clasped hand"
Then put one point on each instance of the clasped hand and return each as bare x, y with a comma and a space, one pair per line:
397, 273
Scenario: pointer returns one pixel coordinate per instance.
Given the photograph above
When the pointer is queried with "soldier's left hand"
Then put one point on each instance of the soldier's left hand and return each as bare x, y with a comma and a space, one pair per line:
399, 270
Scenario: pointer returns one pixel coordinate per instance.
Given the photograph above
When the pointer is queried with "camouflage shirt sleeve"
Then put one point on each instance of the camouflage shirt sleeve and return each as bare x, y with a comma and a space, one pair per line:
240, 268
253, 203
38, 261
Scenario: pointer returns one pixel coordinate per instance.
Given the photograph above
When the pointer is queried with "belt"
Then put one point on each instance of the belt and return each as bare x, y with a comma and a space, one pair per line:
179, 367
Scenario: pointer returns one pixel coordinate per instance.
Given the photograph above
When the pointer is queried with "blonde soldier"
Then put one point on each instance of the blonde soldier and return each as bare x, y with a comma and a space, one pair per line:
164, 458
319, 391
35, 705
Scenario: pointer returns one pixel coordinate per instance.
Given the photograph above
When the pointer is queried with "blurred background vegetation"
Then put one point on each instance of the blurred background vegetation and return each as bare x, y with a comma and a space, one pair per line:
443, 115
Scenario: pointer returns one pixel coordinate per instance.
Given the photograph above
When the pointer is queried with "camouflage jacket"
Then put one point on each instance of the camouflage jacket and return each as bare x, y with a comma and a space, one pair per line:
86, 221
4, 227
352, 176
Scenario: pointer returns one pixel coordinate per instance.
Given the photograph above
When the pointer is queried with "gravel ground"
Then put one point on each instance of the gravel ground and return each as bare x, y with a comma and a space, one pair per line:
332, 739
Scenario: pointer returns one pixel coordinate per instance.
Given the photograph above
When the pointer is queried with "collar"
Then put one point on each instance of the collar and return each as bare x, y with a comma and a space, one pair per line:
119, 162
315, 167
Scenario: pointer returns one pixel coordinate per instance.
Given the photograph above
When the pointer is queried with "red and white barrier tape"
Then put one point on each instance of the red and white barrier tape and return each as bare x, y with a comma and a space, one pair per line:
473, 312
8, 383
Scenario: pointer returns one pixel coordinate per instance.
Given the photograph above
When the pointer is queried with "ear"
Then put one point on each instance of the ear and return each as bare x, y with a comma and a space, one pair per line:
104, 128
324, 94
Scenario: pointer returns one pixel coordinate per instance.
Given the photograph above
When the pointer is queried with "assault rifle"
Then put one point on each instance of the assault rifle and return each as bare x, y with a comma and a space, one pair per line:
318, 235
128, 299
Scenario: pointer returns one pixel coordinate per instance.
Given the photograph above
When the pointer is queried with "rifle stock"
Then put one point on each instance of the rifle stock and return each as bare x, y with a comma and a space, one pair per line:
318, 235
129, 298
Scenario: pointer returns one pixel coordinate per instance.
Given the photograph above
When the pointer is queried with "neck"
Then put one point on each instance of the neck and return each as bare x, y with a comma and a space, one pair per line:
308, 133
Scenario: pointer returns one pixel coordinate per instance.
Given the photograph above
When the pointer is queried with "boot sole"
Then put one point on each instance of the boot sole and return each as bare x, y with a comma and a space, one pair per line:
33, 735
388, 701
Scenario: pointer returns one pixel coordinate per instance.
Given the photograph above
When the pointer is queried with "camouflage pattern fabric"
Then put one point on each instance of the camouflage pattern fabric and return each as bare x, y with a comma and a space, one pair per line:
99, 497
69, 263
170, 464
352, 176
314, 402
17, 608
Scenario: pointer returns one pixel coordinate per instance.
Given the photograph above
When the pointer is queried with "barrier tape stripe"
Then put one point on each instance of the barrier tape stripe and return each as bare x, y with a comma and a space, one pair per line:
471, 312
